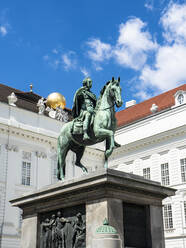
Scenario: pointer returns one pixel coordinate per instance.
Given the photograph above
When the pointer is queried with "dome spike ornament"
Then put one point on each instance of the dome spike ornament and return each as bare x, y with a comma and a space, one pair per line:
31, 86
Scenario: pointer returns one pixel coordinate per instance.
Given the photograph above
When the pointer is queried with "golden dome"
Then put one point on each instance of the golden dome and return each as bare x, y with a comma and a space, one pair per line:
55, 100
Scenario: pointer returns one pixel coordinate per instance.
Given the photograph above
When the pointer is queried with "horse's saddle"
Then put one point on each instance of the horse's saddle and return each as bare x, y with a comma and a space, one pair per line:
77, 127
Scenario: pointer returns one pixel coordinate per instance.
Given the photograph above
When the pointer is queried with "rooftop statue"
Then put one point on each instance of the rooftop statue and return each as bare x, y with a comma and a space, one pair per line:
94, 121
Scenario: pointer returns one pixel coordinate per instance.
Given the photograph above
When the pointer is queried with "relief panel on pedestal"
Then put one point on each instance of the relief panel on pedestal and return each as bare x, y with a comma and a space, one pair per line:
63, 228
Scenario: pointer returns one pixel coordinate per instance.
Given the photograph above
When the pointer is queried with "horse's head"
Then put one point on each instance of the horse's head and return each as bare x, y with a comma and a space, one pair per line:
115, 92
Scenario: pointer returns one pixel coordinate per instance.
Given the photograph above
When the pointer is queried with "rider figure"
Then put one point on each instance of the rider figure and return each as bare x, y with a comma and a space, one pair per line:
83, 106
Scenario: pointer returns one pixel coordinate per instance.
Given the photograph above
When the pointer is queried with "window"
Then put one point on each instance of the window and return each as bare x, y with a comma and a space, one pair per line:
165, 174
146, 173
26, 167
55, 175
54, 169
20, 218
167, 214
185, 211
183, 169
180, 97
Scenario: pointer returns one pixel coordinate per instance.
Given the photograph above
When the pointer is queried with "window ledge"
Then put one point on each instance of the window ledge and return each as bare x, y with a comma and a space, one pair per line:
169, 230
25, 186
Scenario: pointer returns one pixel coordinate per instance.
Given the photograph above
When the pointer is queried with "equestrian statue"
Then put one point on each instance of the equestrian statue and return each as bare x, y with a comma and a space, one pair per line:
94, 121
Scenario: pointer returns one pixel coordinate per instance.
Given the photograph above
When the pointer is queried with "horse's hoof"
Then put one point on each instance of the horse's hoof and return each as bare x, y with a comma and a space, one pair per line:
116, 144
85, 170
62, 179
107, 154
58, 176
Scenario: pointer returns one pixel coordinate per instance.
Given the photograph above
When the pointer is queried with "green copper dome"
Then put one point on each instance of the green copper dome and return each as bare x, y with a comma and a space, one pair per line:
106, 229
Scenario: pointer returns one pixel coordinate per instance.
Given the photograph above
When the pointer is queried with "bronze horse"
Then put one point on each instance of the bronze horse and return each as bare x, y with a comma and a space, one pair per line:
103, 128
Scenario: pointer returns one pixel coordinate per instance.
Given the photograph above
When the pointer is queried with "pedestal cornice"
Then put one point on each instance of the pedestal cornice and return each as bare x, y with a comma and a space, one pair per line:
105, 183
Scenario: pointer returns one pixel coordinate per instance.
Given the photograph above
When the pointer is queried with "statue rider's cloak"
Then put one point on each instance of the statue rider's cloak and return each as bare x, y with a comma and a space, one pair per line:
79, 98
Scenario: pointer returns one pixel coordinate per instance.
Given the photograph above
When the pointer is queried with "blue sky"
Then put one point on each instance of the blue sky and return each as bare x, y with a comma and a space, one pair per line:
55, 44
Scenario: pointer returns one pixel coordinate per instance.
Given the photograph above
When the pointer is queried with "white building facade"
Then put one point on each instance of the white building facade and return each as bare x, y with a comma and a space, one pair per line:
152, 135
28, 160
154, 146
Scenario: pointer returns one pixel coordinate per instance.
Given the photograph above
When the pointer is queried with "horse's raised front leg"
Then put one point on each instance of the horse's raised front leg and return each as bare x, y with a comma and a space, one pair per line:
79, 154
109, 135
61, 156
116, 144
109, 146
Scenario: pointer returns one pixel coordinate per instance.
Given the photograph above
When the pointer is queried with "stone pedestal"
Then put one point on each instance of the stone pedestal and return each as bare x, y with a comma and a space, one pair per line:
132, 205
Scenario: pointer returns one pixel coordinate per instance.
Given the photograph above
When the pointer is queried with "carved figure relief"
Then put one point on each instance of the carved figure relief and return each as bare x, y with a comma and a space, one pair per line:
79, 234
61, 232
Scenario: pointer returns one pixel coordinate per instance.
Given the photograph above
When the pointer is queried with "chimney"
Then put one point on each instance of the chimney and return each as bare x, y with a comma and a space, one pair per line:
130, 103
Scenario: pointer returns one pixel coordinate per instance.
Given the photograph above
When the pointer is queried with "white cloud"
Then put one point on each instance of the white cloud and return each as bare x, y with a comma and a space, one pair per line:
46, 57
3, 30
133, 44
98, 68
133, 35
131, 48
99, 51
143, 95
174, 23
4, 24
85, 72
57, 59
55, 51
169, 70
69, 61
149, 4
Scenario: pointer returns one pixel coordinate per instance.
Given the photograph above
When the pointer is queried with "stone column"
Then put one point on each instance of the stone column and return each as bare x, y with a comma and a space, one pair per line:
156, 222
97, 211
29, 232
115, 216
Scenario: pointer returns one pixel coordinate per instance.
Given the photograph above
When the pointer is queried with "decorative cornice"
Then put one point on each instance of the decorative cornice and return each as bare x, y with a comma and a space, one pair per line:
163, 152
146, 157
94, 152
129, 162
26, 134
181, 147
152, 140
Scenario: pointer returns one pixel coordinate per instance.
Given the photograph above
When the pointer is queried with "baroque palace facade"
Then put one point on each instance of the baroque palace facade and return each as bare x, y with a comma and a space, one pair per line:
28, 161
153, 138
152, 135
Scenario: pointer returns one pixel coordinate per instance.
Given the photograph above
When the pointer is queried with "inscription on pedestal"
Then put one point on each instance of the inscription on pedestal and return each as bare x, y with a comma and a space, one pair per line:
63, 228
